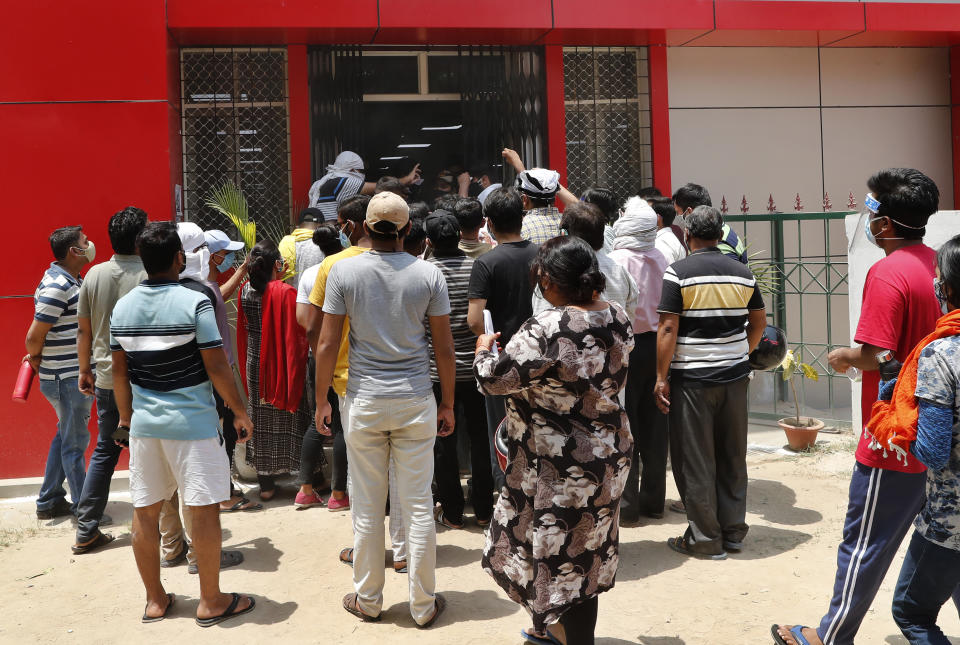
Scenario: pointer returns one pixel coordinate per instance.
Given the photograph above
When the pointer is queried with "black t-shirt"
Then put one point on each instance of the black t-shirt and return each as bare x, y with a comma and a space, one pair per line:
502, 278
200, 287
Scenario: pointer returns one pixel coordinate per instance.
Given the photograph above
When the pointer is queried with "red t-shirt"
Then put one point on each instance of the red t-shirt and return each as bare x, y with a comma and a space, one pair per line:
899, 310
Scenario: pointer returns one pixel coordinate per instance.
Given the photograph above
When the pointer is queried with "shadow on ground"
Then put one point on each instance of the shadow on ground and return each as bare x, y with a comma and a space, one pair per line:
451, 555
646, 558
648, 640
895, 639
258, 554
462, 606
769, 541
776, 503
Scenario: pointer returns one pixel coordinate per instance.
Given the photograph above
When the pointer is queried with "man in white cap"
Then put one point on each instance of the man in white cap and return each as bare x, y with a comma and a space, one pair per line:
538, 187
391, 413
634, 244
222, 251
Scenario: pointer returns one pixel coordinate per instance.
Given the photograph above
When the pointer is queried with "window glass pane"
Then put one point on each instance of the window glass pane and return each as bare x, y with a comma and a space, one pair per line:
443, 74
390, 75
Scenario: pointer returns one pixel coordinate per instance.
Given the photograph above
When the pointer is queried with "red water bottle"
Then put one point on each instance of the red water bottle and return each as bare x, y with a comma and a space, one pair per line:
24, 380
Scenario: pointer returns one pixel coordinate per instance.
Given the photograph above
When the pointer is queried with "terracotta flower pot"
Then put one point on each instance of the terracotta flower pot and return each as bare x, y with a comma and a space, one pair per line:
802, 437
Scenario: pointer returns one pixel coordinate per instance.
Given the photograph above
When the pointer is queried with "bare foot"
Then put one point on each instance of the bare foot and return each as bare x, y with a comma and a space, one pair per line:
808, 632
157, 609
220, 606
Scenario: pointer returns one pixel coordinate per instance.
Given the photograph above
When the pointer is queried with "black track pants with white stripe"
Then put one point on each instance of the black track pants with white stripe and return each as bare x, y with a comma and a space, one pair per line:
881, 509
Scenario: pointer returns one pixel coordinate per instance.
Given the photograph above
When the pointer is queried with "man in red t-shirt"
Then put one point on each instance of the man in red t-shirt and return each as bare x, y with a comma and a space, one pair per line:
899, 310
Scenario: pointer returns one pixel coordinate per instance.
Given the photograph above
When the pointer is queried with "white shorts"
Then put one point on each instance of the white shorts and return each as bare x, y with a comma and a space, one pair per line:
158, 467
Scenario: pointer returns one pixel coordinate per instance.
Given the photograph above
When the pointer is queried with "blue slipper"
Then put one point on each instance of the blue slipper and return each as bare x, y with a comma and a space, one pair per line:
533, 638
797, 632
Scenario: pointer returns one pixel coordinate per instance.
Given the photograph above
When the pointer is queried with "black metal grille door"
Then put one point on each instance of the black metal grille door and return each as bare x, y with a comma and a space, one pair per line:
502, 98
335, 97
607, 100
235, 128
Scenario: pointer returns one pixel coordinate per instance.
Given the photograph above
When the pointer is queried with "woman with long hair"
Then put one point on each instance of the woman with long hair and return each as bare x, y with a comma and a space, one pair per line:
553, 542
275, 347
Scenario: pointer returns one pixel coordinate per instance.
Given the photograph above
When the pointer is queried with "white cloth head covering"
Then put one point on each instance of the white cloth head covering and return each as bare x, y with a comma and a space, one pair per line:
637, 227
347, 164
539, 183
198, 262
482, 197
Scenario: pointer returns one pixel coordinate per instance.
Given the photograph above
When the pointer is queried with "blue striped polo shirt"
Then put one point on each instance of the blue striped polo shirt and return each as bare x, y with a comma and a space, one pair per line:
55, 302
162, 326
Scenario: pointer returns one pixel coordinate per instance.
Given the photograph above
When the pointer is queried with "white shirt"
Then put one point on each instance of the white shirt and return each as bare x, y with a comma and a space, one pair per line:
668, 244
621, 287
307, 278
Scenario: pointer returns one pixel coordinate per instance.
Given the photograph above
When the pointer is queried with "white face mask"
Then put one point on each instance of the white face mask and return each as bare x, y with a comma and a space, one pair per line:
198, 264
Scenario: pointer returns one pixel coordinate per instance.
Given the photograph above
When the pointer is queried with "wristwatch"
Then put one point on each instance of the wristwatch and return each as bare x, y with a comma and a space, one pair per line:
885, 357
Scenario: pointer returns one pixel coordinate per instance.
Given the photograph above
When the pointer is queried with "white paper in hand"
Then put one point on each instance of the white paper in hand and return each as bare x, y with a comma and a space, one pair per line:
488, 329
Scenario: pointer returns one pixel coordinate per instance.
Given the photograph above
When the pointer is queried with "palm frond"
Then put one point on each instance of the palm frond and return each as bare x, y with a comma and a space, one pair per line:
766, 274
230, 201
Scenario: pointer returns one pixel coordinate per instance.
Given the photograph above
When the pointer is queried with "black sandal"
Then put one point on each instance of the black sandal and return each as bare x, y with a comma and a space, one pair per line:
229, 613
156, 619
441, 603
242, 506
346, 556
102, 539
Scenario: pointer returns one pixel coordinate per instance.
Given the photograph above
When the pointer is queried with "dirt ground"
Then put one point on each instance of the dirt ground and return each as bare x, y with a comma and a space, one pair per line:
785, 574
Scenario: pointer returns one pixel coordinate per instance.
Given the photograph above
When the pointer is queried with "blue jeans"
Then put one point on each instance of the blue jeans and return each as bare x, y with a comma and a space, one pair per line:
927, 580
96, 487
65, 459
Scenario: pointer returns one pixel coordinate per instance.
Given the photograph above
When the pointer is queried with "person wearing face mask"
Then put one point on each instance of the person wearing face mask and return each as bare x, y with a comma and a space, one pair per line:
222, 251
51, 344
922, 418
274, 351
887, 489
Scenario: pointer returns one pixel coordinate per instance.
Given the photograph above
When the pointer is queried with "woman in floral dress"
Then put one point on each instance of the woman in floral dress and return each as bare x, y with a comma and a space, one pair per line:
553, 542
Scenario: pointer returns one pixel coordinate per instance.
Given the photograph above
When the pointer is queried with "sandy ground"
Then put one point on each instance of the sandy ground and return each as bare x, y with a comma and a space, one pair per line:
785, 573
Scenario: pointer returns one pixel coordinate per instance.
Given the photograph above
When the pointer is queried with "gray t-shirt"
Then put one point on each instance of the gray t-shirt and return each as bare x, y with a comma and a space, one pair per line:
104, 285
387, 296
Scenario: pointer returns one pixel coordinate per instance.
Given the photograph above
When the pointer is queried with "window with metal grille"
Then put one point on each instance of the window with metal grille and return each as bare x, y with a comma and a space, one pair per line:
607, 98
235, 128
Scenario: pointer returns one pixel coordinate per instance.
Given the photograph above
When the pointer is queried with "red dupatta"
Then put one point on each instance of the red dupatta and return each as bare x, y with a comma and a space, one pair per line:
283, 347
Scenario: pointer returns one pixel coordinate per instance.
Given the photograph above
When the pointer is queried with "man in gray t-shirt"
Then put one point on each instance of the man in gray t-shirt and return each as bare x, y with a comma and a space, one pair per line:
390, 410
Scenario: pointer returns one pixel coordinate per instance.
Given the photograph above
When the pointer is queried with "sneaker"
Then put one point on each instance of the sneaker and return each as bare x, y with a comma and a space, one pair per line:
335, 504
178, 559
59, 509
732, 547
306, 501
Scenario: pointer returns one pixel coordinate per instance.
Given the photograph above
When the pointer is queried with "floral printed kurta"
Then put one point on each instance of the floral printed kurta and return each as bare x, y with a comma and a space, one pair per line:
553, 541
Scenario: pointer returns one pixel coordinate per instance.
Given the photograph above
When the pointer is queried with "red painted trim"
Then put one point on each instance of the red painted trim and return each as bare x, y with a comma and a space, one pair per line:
298, 86
904, 16
283, 14
789, 15
955, 120
556, 112
659, 117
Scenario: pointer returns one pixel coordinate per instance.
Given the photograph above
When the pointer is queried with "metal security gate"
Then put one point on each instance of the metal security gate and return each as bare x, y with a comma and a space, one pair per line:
500, 91
810, 303
607, 102
235, 128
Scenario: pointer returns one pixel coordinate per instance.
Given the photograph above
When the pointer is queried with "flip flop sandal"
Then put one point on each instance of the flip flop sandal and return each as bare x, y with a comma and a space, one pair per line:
402, 568
441, 604
797, 633
231, 612
243, 505
680, 546
350, 604
539, 640
102, 539
442, 520
346, 556
156, 619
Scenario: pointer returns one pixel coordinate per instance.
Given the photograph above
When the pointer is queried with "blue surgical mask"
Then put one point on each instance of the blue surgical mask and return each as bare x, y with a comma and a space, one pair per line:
940, 294
227, 262
344, 240
870, 236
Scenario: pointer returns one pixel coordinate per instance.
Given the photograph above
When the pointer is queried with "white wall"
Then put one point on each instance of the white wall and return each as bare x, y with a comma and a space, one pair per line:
757, 121
862, 255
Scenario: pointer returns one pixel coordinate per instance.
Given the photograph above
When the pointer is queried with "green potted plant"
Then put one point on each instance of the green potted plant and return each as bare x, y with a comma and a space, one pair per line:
801, 431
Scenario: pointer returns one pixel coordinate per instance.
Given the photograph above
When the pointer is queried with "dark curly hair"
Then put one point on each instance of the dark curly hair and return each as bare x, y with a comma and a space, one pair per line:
572, 266
263, 256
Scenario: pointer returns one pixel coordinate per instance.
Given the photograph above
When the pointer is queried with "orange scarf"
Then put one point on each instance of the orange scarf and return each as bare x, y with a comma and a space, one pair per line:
893, 423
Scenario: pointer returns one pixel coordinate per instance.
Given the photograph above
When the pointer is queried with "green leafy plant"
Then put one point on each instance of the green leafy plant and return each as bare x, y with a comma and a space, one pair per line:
230, 201
766, 274
793, 367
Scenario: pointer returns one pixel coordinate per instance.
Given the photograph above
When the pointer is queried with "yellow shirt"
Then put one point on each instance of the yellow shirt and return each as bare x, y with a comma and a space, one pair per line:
316, 298
288, 246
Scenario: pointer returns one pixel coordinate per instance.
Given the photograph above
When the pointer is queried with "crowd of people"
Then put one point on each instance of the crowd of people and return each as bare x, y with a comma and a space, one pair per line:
591, 344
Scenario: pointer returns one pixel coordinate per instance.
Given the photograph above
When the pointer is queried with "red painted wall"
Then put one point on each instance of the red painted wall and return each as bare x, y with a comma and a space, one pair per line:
87, 126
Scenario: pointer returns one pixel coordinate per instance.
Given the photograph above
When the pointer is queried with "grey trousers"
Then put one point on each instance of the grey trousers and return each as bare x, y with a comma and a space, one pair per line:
708, 443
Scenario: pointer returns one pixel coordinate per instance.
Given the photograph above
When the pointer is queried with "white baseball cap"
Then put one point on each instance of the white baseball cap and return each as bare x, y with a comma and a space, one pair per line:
217, 240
